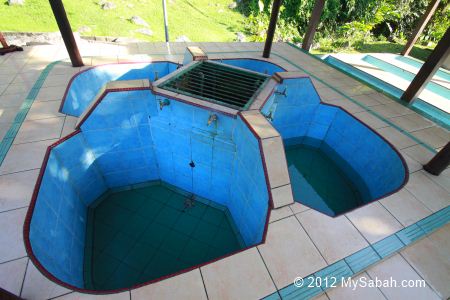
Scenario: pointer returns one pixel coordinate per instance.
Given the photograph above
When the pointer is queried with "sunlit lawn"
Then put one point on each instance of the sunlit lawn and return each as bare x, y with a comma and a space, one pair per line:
199, 20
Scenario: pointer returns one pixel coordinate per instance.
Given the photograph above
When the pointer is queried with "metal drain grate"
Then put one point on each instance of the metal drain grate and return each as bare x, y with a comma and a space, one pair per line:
218, 83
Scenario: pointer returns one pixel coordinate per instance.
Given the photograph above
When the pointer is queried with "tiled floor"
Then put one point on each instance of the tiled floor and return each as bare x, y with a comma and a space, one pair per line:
299, 241
145, 233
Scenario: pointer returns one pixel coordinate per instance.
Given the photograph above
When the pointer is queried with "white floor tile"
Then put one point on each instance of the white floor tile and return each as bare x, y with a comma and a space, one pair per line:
336, 238
241, 276
288, 252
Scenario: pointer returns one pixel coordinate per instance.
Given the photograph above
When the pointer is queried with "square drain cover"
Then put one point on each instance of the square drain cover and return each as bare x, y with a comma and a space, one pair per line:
217, 83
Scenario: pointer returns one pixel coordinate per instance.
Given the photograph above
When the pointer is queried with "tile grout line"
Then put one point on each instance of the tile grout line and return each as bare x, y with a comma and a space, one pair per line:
363, 236
24, 277
62, 295
315, 246
38, 141
270, 275
418, 274
13, 209
62, 127
11, 260
395, 218
203, 281
382, 293
16, 172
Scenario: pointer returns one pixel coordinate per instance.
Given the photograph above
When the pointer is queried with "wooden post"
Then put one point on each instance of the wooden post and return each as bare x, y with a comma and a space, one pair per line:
166, 22
420, 26
3, 41
431, 65
66, 32
272, 26
7, 48
5, 295
313, 23
439, 162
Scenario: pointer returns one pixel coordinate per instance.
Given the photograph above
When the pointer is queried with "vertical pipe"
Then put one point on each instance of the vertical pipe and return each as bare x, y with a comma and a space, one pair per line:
429, 68
420, 26
439, 162
313, 23
66, 32
166, 22
272, 26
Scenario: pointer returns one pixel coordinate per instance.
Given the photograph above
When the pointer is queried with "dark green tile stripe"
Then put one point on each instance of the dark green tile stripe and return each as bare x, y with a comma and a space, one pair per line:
303, 292
360, 260
388, 245
274, 296
8, 139
437, 220
364, 258
410, 234
333, 274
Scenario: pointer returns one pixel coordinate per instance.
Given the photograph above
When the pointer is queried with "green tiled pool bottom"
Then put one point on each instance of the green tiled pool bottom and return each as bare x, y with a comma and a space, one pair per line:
144, 233
319, 182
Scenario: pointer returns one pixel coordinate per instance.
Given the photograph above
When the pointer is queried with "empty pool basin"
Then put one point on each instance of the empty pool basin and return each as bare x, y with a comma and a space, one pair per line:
84, 86
142, 191
336, 163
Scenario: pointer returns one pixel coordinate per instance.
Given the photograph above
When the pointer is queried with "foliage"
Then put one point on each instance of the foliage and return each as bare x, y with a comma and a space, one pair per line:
348, 23
256, 26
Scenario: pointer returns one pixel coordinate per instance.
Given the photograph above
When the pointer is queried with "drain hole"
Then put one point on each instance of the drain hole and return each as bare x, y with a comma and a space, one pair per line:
189, 203
192, 164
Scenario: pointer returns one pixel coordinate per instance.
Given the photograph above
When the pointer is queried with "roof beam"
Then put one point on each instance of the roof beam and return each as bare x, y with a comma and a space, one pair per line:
313, 23
429, 68
66, 32
439, 162
420, 26
272, 26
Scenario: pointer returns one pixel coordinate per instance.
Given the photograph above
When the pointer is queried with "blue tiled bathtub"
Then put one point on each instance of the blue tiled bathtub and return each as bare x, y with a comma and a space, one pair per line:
127, 140
253, 65
374, 166
87, 84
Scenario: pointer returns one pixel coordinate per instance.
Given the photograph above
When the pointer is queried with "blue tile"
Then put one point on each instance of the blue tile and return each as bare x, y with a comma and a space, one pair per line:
388, 245
334, 274
410, 234
87, 84
303, 292
435, 221
362, 259
274, 296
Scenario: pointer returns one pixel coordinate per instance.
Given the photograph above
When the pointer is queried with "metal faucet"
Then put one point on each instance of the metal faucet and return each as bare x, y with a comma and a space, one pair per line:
281, 93
163, 103
212, 118
269, 116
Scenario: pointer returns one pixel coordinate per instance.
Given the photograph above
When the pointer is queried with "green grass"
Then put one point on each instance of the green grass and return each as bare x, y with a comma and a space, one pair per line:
199, 20
418, 51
